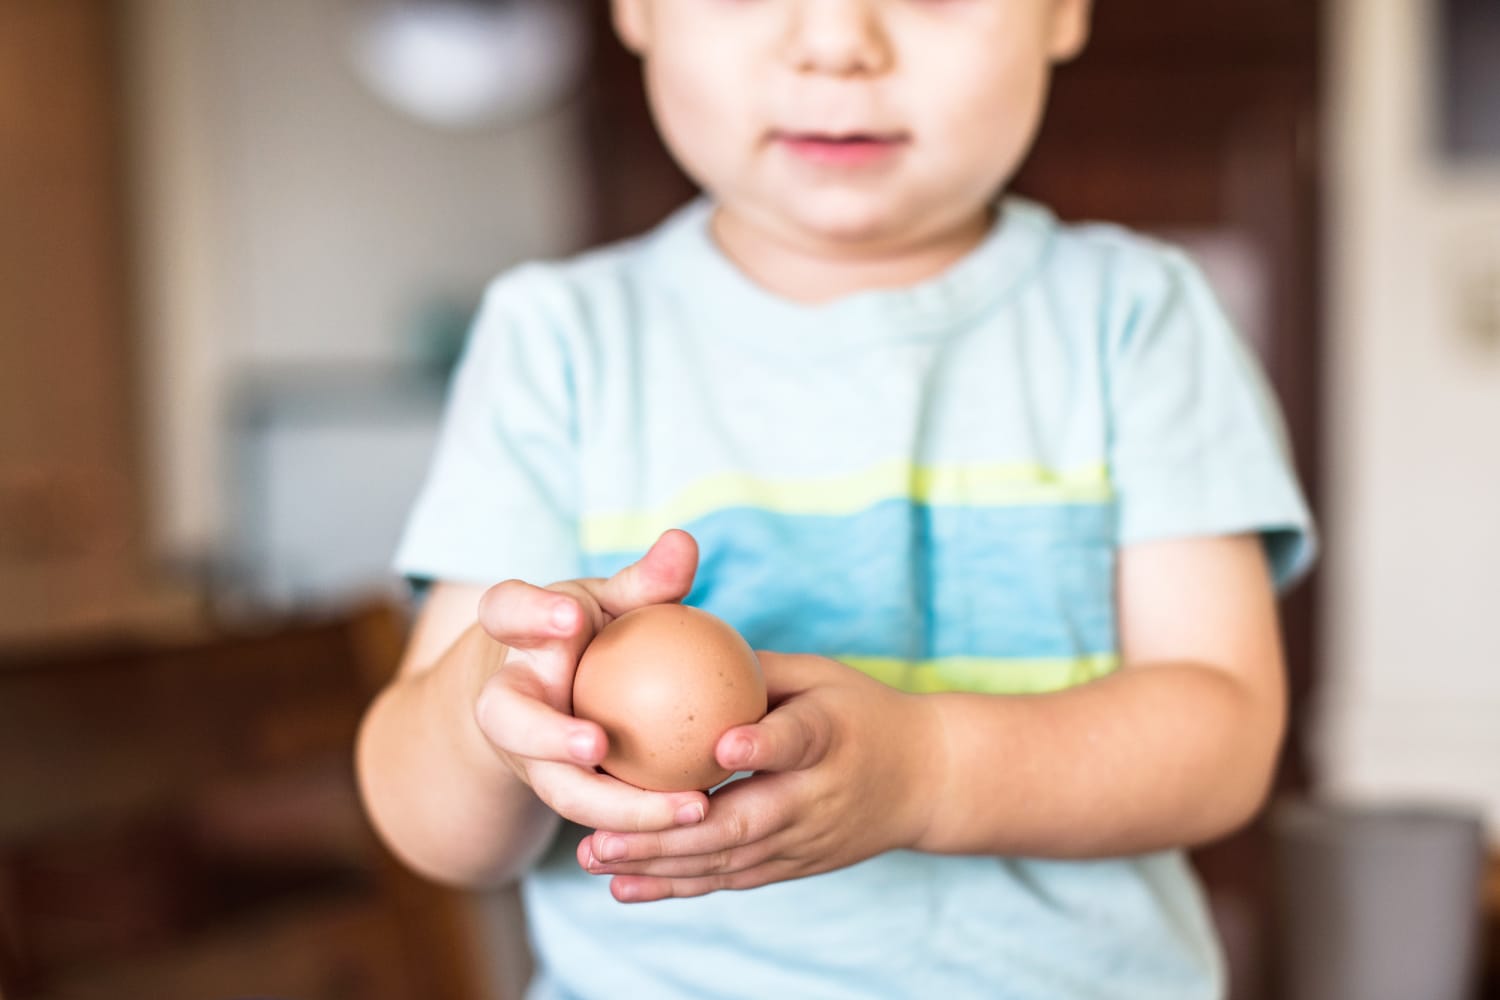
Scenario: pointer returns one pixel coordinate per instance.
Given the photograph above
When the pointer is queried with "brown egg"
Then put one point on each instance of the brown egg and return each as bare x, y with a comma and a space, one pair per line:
665, 682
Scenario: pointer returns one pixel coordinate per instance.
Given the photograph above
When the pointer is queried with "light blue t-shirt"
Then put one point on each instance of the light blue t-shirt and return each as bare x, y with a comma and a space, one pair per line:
929, 484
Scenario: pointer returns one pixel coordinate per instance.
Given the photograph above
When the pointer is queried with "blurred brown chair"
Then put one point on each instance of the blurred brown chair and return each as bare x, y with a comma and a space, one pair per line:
179, 819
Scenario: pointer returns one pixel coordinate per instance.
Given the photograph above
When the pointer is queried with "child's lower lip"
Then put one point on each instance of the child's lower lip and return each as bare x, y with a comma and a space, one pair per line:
840, 152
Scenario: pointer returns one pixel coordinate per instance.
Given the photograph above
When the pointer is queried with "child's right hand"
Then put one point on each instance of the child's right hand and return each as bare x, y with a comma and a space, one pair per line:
524, 707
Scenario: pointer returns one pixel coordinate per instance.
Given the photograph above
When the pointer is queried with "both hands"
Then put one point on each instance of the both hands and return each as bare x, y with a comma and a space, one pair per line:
844, 766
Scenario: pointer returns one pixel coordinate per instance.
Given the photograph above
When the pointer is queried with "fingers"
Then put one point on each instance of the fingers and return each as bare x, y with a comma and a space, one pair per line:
732, 827
792, 737
639, 889
597, 800
751, 838
554, 753
722, 862
522, 724
523, 616
519, 614
521, 707
664, 574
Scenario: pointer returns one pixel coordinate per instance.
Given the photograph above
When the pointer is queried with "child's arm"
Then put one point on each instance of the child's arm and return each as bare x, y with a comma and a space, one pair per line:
470, 755
1175, 748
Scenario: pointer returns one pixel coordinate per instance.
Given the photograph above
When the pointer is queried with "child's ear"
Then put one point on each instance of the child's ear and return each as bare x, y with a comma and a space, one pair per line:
630, 23
1070, 28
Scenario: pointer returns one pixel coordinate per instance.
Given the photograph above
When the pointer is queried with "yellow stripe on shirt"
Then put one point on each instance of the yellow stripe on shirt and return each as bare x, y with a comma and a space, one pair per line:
977, 485
985, 675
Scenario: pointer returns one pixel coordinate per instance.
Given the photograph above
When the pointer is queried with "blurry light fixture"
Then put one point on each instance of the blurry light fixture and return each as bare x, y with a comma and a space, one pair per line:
468, 63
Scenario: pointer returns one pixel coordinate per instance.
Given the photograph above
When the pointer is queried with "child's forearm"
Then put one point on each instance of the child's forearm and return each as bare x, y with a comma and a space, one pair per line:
439, 795
1154, 756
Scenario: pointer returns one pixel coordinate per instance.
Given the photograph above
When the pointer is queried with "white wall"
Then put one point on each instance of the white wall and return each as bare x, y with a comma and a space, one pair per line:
1412, 576
287, 217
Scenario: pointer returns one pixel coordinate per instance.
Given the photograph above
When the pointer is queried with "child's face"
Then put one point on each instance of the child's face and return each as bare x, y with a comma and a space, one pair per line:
852, 123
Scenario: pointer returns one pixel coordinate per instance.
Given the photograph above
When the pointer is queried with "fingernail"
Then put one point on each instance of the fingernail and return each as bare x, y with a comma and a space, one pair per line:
740, 749
610, 849
581, 746
690, 813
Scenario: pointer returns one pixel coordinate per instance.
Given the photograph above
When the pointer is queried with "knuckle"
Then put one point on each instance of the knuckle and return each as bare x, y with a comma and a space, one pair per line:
721, 861
568, 589
499, 592
494, 610
644, 817
814, 741
739, 829
587, 604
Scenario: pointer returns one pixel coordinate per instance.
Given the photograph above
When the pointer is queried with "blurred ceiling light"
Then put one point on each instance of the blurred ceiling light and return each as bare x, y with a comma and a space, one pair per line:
468, 63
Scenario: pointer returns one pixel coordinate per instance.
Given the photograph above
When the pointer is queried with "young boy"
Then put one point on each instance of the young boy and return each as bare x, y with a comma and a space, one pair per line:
1004, 502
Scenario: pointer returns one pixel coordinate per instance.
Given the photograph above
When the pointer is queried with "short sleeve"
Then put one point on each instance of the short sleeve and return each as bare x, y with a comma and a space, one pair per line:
1198, 446
500, 498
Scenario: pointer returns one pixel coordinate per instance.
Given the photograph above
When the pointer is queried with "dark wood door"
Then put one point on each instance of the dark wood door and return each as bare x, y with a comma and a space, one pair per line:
70, 498
1217, 133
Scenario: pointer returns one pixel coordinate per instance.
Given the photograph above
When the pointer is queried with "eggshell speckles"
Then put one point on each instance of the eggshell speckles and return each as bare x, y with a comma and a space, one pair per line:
665, 682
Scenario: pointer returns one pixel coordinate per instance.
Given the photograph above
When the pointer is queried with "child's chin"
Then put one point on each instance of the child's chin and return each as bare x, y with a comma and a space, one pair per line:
851, 220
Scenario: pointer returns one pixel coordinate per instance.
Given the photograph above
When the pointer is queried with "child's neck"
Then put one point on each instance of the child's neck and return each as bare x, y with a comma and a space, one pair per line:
812, 272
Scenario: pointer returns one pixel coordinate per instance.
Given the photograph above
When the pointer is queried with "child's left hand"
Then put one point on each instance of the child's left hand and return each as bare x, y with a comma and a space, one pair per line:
847, 769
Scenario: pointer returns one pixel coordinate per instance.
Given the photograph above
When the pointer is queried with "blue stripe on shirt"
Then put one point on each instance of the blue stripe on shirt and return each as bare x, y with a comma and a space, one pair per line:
910, 581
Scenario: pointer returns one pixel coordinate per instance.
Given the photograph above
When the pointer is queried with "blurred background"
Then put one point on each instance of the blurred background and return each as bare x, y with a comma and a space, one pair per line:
240, 241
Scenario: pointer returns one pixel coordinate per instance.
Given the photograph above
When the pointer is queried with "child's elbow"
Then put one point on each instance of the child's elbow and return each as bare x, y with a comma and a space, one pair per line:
1247, 781
1247, 802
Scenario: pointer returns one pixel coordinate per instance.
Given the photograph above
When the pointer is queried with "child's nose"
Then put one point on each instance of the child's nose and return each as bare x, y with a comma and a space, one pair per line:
840, 37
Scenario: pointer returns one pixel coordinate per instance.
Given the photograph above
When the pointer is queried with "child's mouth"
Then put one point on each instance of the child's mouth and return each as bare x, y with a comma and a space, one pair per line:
844, 150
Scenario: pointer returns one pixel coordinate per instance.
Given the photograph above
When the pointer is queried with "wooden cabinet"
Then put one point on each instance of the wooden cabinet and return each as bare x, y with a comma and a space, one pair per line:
1191, 117
179, 820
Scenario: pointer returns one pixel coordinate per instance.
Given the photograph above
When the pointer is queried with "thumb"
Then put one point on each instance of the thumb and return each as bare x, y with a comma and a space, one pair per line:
793, 736
664, 574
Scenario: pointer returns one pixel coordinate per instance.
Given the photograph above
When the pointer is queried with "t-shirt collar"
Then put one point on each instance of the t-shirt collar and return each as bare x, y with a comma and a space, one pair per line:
687, 253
